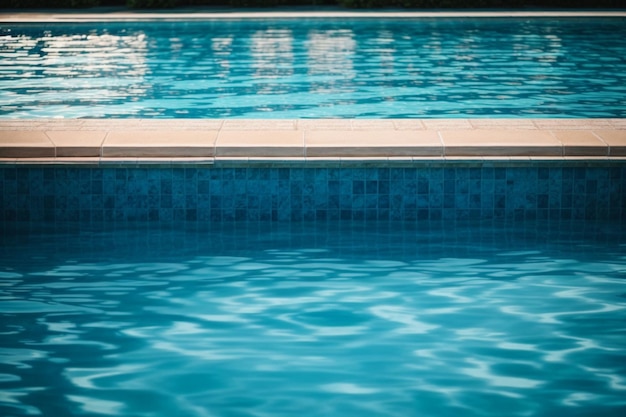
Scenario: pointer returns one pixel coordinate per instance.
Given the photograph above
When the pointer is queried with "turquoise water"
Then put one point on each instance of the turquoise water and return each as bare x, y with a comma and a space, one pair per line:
308, 68
351, 320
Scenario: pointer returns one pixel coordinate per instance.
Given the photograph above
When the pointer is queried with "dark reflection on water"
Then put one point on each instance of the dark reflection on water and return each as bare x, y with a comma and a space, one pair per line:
350, 319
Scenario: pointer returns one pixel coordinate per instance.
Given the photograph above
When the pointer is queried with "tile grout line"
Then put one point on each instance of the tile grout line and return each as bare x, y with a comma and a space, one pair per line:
101, 150
608, 146
215, 141
52, 142
443, 145
553, 135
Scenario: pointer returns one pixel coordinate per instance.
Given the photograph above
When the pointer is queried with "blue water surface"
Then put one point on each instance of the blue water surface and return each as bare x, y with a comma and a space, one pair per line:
315, 68
330, 319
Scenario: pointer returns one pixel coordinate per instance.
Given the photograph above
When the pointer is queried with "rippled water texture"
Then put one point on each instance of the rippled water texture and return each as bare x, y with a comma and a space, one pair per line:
367, 68
313, 320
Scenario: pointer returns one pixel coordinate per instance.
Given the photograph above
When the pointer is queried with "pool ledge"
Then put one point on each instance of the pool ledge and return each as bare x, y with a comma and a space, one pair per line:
106, 141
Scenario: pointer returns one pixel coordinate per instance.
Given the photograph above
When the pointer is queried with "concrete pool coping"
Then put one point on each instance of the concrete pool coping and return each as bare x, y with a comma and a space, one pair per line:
101, 141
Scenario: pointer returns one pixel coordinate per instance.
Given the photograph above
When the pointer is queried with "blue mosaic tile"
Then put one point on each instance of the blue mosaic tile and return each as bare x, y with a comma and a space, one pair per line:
312, 194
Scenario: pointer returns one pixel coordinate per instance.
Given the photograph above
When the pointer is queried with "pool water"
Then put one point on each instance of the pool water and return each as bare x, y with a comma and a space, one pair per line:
315, 68
333, 319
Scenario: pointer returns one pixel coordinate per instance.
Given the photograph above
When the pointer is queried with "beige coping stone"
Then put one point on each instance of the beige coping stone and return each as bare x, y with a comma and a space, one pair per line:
345, 138
181, 124
369, 143
573, 124
409, 124
16, 124
325, 124
25, 144
616, 139
159, 143
259, 124
373, 124
447, 124
262, 143
513, 143
618, 123
79, 143
503, 124
112, 124
581, 143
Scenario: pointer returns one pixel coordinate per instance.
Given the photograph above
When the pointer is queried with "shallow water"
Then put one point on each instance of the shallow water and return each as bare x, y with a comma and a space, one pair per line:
308, 68
362, 319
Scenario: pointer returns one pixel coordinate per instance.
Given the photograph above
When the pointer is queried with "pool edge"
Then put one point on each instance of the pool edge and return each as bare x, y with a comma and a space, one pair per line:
197, 141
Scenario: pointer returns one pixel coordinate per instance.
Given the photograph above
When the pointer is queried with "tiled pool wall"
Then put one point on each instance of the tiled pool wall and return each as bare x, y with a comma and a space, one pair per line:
301, 192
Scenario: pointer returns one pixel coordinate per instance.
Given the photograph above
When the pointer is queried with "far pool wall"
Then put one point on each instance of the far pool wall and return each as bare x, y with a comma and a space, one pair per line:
414, 191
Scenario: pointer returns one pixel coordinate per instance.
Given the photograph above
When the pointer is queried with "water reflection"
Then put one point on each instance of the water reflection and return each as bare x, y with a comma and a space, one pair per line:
272, 53
46, 73
221, 47
360, 68
331, 52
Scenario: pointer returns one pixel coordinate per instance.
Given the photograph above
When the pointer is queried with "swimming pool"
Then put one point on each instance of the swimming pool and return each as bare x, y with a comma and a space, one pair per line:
315, 68
347, 319
369, 288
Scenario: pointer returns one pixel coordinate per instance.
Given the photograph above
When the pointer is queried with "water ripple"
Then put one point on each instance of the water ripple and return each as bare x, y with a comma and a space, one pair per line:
349, 68
279, 326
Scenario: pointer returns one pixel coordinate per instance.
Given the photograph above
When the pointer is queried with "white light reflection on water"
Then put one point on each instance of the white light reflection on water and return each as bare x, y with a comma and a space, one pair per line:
253, 321
315, 68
